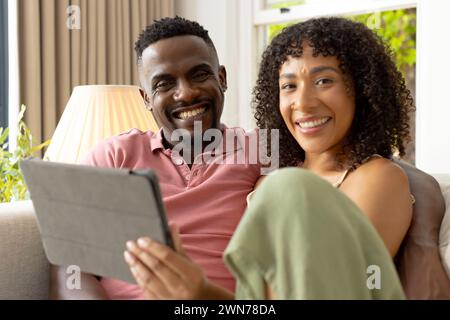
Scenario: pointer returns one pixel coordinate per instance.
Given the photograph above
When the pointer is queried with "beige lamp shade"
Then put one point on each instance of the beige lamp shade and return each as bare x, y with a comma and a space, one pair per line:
94, 113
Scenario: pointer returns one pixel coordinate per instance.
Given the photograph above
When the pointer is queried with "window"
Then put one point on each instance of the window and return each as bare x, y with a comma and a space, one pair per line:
3, 64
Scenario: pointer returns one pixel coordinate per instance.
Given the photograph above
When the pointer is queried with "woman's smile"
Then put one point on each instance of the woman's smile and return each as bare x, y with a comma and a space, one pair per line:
311, 125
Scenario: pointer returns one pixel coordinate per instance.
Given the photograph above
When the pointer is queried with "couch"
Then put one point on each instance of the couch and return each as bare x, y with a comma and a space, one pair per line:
444, 231
24, 269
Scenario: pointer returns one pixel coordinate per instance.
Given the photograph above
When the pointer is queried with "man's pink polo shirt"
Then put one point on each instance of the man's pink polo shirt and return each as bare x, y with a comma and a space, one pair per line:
205, 201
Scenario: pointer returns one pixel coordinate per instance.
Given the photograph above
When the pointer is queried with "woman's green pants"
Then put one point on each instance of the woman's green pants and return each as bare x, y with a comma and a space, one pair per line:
307, 240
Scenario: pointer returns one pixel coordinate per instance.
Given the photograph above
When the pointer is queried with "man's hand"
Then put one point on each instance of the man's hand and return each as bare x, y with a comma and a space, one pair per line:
163, 273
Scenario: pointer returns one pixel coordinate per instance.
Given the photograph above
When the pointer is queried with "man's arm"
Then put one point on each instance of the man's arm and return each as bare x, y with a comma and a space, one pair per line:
90, 287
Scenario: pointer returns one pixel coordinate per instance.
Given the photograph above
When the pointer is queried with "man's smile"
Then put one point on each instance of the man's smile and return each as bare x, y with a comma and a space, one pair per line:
192, 112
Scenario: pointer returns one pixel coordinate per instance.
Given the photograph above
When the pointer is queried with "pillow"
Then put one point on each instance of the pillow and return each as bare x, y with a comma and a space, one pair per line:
418, 260
444, 235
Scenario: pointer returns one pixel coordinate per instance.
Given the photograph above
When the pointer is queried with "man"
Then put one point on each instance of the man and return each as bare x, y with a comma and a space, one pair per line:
184, 88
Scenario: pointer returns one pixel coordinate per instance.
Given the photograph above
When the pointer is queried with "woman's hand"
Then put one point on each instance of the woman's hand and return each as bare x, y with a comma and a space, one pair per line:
163, 273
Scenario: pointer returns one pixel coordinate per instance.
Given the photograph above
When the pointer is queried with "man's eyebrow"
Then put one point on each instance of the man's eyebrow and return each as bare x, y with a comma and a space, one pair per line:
155, 78
201, 66
160, 76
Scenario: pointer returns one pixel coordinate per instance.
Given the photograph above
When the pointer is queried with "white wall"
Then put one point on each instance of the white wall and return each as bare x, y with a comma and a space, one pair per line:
227, 29
433, 101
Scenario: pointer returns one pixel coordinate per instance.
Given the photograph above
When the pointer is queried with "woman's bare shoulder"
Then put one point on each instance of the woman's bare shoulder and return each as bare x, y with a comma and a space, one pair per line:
381, 189
380, 171
377, 180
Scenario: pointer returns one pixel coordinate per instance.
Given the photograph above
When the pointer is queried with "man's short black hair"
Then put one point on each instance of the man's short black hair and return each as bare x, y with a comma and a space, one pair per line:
167, 28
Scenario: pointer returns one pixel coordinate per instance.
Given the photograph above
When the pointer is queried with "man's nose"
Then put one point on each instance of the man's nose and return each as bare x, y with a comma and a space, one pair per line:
185, 91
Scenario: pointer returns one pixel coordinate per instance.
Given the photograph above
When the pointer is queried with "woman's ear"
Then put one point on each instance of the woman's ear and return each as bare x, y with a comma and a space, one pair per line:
146, 99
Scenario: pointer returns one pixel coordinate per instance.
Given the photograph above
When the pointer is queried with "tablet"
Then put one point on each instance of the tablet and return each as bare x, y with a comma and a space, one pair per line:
86, 214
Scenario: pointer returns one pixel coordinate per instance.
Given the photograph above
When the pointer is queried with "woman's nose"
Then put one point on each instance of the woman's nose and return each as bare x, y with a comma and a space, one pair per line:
304, 99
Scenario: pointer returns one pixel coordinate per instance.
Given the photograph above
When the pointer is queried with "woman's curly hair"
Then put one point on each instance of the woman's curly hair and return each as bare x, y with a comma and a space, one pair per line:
382, 101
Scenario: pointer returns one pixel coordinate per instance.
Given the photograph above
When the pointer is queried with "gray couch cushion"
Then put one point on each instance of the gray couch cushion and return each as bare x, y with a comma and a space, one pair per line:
24, 269
444, 234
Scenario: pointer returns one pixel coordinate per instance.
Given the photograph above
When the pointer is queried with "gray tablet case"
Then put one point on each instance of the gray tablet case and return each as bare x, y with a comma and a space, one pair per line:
87, 214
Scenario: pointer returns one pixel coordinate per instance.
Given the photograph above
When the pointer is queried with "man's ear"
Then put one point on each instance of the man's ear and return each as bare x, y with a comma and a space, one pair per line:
223, 78
146, 99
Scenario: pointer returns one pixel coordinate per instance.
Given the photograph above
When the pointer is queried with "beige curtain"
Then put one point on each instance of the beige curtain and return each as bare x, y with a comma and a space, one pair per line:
55, 58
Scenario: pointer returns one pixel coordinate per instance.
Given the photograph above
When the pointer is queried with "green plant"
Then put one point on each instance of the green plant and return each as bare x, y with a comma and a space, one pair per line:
12, 184
397, 28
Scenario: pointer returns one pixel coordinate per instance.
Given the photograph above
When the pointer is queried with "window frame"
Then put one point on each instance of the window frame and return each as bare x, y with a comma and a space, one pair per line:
265, 17
333, 8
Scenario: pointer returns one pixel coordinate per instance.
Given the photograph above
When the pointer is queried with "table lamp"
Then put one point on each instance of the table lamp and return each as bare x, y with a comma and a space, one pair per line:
94, 113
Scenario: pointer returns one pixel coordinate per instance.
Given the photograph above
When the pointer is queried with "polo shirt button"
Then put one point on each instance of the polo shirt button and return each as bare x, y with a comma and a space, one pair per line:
187, 177
179, 161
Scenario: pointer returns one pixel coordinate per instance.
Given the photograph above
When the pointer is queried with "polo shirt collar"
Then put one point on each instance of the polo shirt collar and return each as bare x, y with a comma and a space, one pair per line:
156, 141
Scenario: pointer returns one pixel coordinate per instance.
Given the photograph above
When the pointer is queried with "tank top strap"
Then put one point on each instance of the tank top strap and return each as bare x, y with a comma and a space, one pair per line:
345, 174
375, 155
338, 183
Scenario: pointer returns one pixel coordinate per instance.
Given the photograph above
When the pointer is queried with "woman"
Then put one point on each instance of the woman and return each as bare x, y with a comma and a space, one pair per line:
342, 111
330, 228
